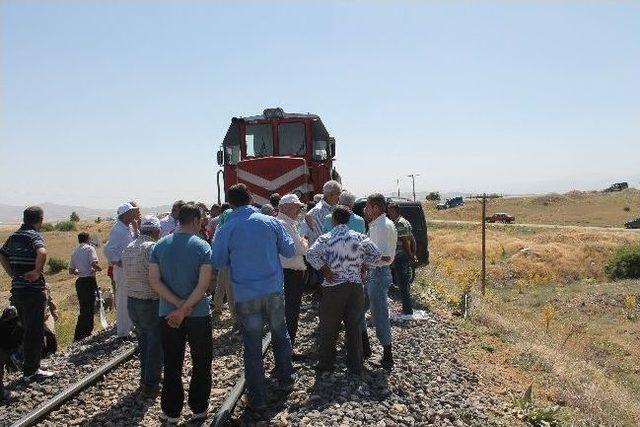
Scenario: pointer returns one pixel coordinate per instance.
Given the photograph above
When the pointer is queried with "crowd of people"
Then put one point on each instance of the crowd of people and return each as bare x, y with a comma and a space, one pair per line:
172, 276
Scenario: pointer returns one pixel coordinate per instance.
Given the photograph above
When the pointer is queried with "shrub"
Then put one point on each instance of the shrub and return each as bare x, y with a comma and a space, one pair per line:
624, 263
433, 196
534, 414
98, 220
66, 226
74, 217
57, 265
47, 226
626, 209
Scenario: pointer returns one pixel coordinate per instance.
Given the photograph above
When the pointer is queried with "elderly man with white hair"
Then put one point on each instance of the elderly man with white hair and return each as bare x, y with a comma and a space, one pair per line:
142, 304
119, 237
356, 222
315, 217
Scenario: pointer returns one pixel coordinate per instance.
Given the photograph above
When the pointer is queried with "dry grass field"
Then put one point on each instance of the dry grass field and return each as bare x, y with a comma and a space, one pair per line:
60, 245
573, 208
549, 317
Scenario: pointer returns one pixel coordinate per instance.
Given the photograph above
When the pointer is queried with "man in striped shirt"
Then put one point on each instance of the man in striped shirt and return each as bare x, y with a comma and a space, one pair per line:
23, 257
143, 305
340, 255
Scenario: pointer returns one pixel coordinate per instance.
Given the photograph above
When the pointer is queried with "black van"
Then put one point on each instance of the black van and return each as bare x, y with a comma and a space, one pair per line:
412, 212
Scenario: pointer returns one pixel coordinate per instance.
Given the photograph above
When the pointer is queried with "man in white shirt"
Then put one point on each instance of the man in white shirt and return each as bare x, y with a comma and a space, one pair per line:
84, 264
383, 233
169, 223
120, 236
293, 268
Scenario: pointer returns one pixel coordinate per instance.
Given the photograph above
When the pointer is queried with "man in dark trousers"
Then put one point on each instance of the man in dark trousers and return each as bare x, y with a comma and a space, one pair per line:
84, 264
340, 256
180, 272
405, 256
23, 257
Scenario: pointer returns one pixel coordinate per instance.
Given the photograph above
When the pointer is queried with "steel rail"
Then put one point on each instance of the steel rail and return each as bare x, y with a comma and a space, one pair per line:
64, 396
236, 392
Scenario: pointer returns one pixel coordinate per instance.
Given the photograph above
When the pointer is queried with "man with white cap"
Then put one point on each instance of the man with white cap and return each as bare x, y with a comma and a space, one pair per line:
294, 268
119, 237
143, 305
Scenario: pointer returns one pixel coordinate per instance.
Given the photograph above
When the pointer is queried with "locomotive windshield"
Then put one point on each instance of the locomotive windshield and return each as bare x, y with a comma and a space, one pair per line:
291, 141
259, 140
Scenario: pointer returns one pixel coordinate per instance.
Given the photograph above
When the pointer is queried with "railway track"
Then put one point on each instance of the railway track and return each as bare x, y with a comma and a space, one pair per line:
55, 403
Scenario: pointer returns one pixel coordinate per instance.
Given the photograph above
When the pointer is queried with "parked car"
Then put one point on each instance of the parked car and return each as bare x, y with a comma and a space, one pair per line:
634, 223
501, 217
451, 203
618, 186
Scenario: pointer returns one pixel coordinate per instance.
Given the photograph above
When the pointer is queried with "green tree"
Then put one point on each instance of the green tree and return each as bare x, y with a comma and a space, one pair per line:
74, 217
433, 196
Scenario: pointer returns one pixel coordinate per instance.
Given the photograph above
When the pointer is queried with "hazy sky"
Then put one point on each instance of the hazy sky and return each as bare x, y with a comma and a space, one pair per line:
107, 101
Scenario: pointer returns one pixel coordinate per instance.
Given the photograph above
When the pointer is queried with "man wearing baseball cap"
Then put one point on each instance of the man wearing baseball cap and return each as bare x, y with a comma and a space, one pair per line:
119, 237
142, 305
293, 268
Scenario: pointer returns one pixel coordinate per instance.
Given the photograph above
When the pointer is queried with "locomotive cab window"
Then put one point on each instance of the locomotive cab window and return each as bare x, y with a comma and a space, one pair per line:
320, 150
291, 139
259, 140
232, 154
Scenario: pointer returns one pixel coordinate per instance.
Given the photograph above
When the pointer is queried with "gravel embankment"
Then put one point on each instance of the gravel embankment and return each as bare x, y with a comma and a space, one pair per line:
427, 386
70, 366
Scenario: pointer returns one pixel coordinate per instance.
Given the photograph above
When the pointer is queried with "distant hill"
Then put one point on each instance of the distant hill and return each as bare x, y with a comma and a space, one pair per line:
572, 208
54, 212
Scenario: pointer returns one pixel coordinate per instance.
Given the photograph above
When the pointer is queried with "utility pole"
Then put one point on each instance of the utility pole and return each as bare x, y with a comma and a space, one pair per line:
413, 183
398, 185
484, 197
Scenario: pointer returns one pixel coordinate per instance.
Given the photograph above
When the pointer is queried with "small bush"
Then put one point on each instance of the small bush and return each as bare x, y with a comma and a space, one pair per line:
66, 226
626, 209
98, 220
74, 217
57, 265
624, 263
433, 196
47, 226
534, 414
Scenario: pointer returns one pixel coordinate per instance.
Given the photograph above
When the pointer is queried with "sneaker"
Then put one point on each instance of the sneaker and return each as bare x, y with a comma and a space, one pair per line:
286, 387
297, 357
149, 392
169, 420
6, 397
199, 416
40, 374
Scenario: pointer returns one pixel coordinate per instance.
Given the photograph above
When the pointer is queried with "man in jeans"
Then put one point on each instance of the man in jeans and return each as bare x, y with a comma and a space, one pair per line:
383, 233
180, 272
249, 244
84, 264
405, 256
23, 257
340, 255
142, 304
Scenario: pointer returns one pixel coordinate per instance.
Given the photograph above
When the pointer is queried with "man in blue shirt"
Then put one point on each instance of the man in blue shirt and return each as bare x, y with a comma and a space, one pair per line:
356, 222
249, 244
180, 272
